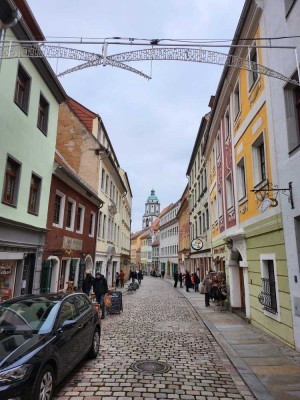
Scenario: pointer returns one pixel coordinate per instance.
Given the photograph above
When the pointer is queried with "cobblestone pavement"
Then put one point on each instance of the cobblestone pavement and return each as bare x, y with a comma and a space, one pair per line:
158, 323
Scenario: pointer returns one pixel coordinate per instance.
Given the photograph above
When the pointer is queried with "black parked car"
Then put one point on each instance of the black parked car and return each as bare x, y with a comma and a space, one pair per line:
42, 337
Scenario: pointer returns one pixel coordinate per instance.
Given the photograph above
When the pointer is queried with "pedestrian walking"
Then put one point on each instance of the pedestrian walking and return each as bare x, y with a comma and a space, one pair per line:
87, 283
188, 281
180, 279
175, 279
196, 282
207, 289
117, 279
100, 289
132, 275
122, 278
140, 277
163, 274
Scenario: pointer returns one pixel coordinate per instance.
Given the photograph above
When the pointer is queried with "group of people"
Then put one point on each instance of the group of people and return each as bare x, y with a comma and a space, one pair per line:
136, 275
100, 286
193, 281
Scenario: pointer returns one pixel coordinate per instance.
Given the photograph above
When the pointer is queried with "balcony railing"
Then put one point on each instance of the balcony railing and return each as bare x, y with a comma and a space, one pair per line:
267, 297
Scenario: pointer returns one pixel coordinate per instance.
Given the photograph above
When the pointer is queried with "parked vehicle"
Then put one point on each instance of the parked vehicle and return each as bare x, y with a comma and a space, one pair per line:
42, 338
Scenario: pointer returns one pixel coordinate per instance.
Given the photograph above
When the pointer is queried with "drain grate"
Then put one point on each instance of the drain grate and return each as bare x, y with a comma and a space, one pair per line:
150, 367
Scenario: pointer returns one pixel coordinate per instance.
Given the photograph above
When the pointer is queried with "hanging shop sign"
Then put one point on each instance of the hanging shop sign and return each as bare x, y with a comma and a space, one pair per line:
197, 244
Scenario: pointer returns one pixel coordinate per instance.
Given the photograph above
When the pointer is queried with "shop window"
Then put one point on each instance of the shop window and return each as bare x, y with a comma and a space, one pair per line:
11, 182
259, 160
34, 194
43, 113
292, 106
241, 178
59, 205
236, 101
70, 214
80, 219
253, 74
22, 89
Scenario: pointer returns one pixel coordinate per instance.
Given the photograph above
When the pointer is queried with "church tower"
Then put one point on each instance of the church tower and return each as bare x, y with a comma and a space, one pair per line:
152, 209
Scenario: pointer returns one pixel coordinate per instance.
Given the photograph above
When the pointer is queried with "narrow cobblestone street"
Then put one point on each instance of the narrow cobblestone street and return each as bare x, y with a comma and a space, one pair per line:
158, 323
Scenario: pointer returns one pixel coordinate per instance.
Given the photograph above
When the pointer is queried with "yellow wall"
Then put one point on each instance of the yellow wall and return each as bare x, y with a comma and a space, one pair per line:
243, 148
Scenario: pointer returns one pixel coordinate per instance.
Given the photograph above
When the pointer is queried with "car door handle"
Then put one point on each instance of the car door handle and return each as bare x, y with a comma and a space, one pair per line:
80, 326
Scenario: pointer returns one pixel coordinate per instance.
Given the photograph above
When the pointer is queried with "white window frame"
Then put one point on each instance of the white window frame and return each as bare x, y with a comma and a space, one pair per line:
257, 173
264, 274
293, 126
71, 228
93, 224
220, 204
62, 209
251, 81
241, 181
227, 126
82, 219
236, 111
229, 191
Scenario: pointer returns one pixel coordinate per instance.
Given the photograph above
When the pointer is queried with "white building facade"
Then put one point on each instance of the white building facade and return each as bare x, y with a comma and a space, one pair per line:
169, 241
281, 18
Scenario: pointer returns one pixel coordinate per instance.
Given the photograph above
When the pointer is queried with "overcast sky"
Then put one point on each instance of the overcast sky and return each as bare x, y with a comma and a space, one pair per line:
152, 124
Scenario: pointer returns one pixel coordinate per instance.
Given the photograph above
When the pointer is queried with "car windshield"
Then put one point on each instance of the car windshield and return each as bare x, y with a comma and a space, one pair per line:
29, 315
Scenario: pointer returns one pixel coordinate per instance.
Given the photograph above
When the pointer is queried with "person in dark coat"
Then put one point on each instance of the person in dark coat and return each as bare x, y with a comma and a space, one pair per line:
87, 283
100, 289
188, 281
140, 277
163, 274
117, 279
180, 279
175, 278
196, 282
132, 275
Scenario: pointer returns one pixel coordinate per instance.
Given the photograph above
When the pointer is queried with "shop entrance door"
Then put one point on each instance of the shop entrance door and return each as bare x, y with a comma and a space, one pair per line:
28, 273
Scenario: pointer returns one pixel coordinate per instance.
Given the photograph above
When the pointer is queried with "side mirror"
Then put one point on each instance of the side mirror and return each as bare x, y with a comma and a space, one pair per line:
67, 324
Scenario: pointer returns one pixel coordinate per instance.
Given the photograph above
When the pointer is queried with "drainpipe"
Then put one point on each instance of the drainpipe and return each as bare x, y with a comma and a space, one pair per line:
15, 18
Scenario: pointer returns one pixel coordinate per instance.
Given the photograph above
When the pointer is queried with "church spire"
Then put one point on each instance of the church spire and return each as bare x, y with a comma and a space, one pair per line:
152, 209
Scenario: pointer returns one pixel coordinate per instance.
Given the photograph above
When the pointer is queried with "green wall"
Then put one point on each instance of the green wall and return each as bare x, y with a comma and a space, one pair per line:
266, 237
20, 137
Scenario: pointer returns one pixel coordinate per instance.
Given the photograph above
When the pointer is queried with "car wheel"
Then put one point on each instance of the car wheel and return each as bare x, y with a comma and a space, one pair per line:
44, 384
95, 344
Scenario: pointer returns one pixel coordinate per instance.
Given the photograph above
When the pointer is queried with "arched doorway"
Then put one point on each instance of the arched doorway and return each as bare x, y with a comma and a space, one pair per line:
238, 282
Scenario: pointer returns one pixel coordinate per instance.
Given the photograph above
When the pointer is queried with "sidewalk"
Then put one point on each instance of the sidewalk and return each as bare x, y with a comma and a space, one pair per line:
270, 368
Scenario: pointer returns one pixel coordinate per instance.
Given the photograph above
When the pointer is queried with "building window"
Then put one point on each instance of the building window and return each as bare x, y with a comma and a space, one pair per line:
236, 101
218, 145
241, 179
43, 113
253, 74
227, 125
11, 182
106, 184
100, 225
104, 227
259, 160
80, 219
288, 4
207, 218
269, 296
70, 215
59, 205
102, 179
92, 224
22, 89
229, 191
34, 194
220, 204
292, 106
